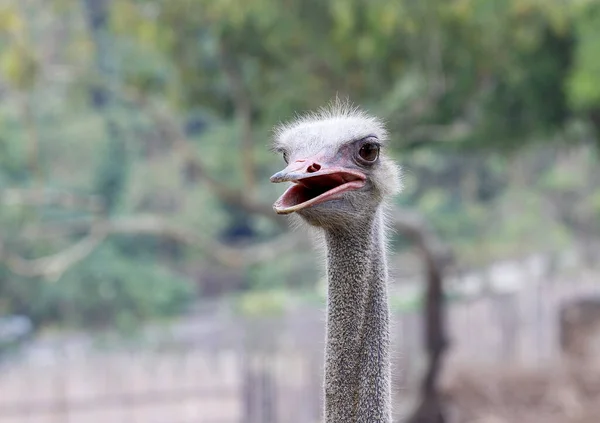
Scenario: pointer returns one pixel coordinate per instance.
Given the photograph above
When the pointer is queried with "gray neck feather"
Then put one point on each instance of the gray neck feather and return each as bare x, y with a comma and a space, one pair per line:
357, 362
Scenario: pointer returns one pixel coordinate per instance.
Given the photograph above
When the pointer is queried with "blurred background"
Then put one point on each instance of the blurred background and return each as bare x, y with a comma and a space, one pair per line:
145, 278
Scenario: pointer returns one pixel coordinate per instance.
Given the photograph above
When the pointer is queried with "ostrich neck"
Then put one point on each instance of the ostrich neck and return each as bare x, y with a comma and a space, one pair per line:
357, 363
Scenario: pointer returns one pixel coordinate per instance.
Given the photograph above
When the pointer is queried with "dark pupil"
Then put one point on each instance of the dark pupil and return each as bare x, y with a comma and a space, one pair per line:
285, 157
369, 152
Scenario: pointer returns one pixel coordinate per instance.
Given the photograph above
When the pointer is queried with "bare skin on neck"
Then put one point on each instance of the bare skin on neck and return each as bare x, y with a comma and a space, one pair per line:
340, 179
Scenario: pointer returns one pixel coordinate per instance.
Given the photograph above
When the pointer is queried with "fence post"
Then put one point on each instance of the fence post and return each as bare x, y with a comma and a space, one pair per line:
259, 384
62, 411
507, 316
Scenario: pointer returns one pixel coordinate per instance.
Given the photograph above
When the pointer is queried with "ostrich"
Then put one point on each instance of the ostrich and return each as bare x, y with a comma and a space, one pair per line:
340, 182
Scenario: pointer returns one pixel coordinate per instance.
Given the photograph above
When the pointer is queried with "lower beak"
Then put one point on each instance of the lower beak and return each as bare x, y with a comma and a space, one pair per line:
312, 188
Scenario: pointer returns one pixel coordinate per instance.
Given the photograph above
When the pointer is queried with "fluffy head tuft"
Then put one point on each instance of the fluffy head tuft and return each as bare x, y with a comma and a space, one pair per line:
338, 122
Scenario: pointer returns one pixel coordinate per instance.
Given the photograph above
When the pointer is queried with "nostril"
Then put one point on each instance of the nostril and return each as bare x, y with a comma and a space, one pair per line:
315, 167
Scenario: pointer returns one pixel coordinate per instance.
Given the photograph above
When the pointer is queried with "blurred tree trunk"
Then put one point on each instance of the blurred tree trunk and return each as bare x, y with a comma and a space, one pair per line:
97, 14
111, 175
430, 409
24, 80
436, 256
243, 113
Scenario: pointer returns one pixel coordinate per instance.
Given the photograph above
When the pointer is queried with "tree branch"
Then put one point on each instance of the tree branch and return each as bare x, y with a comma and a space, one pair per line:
225, 255
412, 225
46, 197
171, 128
52, 267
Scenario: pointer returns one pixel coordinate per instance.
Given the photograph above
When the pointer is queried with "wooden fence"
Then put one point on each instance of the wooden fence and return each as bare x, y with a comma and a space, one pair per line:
267, 371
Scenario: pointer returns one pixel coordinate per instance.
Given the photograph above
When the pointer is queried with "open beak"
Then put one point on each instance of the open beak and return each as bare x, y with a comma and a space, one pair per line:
314, 184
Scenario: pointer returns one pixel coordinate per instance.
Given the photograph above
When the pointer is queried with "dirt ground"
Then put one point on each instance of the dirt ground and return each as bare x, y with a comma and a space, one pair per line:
561, 394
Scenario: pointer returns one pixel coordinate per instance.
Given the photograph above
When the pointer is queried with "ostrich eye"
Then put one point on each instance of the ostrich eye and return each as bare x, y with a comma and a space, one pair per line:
285, 157
369, 152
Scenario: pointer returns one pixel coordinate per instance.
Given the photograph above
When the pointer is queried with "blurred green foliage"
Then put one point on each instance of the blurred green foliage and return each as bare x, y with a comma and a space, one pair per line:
164, 108
108, 289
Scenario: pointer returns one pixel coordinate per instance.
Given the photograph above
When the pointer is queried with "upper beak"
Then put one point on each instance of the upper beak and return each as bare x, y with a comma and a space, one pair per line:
306, 168
296, 171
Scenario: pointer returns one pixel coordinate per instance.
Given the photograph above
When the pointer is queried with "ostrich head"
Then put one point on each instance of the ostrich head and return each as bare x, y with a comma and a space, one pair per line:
337, 166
